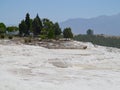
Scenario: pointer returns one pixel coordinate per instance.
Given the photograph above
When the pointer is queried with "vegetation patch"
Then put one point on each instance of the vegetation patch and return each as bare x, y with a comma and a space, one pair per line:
99, 40
10, 37
2, 36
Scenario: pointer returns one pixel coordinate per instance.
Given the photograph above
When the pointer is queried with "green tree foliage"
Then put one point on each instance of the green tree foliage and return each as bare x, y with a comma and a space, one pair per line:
31, 21
2, 28
48, 28
25, 26
39, 21
43, 28
22, 28
37, 26
90, 32
47, 24
12, 28
27, 21
57, 30
51, 34
67, 33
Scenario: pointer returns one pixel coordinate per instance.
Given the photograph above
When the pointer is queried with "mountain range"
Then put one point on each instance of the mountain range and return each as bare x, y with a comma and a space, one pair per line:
109, 25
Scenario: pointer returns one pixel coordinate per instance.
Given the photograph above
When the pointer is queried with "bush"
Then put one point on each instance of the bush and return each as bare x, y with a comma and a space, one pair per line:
2, 36
67, 33
43, 36
10, 37
27, 40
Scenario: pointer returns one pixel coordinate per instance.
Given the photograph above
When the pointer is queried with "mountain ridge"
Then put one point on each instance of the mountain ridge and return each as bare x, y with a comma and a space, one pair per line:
103, 24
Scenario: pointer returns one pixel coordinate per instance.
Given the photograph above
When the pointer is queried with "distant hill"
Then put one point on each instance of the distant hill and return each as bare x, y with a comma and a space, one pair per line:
109, 25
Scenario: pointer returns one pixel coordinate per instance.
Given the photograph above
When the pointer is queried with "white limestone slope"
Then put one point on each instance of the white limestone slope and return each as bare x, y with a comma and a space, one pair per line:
24, 67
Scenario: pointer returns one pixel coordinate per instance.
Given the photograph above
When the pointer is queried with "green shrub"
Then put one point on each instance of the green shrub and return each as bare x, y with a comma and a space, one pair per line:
43, 36
27, 40
10, 37
2, 36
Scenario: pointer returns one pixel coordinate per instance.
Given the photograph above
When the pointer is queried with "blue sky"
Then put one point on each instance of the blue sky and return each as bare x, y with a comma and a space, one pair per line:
13, 11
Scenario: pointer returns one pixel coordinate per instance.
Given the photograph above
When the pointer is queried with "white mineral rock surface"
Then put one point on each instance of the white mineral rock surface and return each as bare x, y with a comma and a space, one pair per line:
25, 67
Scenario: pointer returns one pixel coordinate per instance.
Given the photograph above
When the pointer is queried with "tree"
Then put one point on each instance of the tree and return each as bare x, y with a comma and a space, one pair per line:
51, 34
27, 21
37, 26
90, 32
2, 28
57, 30
44, 28
39, 21
22, 28
67, 33
12, 28
47, 24
48, 28
31, 21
